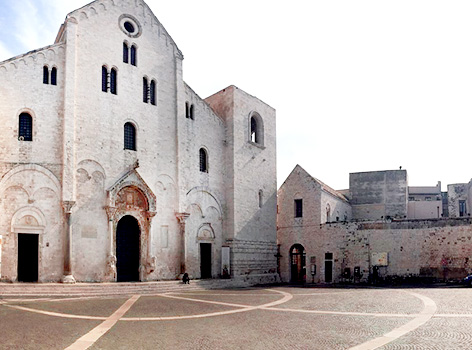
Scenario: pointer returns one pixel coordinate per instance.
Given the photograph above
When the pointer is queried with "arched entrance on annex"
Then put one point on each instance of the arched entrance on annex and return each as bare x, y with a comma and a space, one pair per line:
131, 207
297, 264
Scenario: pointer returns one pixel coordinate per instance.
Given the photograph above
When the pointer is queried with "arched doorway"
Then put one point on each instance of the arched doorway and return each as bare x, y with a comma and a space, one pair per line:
127, 249
297, 264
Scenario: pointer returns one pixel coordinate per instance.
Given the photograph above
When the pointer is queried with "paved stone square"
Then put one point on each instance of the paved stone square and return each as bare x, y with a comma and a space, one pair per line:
251, 318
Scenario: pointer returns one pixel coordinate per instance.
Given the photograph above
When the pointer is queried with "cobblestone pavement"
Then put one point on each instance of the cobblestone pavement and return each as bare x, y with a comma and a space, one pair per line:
257, 318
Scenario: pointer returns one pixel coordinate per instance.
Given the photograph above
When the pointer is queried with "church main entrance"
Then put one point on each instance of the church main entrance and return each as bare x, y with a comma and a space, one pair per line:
127, 249
205, 260
28, 257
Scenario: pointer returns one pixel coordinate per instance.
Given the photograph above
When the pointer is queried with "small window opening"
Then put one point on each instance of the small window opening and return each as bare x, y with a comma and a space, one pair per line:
152, 92
145, 90
261, 199
129, 27
298, 208
25, 130
462, 208
254, 137
54, 76
133, 55
125, 52
45, 75
203, 161
191, 112
130, 137
187, 110
113, 81
104, 79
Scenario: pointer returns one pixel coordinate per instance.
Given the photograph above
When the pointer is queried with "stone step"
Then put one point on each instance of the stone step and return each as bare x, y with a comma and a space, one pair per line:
102, 289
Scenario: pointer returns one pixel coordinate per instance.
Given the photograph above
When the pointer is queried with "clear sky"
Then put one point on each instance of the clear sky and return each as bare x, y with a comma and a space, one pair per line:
357, 85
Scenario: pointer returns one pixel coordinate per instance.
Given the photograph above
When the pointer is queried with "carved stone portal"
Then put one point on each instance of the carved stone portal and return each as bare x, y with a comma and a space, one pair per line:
130, 195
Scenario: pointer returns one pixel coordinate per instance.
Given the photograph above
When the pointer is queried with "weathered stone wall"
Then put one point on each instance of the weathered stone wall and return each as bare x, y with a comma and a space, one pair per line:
439, 249
378, 194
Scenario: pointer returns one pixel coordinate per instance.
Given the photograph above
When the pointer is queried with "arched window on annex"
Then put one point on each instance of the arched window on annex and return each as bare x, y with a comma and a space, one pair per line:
25, 127
203, 160
256, 129
130, 137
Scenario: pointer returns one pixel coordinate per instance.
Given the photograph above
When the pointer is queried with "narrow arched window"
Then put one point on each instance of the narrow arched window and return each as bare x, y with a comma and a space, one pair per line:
261, 198
25, 127
191, 112
54, 76
125, 52
203, 161
45, 75
113, 80
130, 137
254, 130
152, 92
134, 51
104, 79
187, 110
145, 90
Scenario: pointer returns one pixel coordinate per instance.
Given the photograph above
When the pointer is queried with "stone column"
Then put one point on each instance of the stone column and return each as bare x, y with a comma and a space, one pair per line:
68, 275
150, 260
183, 254
111, 258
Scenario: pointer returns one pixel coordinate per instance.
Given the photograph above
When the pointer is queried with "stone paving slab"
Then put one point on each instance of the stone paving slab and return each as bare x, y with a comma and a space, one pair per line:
261, 318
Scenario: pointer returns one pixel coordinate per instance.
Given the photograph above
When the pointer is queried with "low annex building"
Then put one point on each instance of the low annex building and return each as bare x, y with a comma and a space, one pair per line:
113, 169
379, 228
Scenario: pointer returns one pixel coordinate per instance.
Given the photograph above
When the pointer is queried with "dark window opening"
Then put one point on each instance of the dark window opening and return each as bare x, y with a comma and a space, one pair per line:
133, 55
145, 90
298, 208
203, 161
54, 76
45, 75
113, 81
260, 198
125, 52
25, 130
104, 79
152, 92
187, 110
254, 137
462, 208
129, 27
191, 116
328, 256
130, 137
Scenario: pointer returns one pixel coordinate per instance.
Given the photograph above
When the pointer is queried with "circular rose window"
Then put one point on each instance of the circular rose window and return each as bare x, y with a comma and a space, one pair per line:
130, 26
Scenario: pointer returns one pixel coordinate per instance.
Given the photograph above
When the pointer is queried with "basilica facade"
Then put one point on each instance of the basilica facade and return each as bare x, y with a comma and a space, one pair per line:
113, 169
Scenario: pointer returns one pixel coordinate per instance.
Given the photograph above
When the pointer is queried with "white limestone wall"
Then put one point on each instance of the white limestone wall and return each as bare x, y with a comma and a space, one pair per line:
99, 120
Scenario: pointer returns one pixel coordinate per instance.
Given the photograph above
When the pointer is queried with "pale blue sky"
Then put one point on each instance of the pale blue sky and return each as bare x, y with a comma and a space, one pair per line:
358, 85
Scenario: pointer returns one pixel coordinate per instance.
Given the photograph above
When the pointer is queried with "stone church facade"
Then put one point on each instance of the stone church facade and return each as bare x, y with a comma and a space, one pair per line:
113, 169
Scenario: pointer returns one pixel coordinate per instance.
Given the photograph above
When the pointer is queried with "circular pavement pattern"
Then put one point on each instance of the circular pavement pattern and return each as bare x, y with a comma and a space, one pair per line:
295, 318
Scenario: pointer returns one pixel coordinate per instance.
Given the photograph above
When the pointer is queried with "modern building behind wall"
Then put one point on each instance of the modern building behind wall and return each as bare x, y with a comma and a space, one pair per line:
379, 228
113, 169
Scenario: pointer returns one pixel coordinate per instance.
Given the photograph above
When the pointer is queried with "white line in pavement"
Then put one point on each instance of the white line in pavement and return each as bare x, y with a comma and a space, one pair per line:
56, 314
342, 313
91, 337
424, 316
